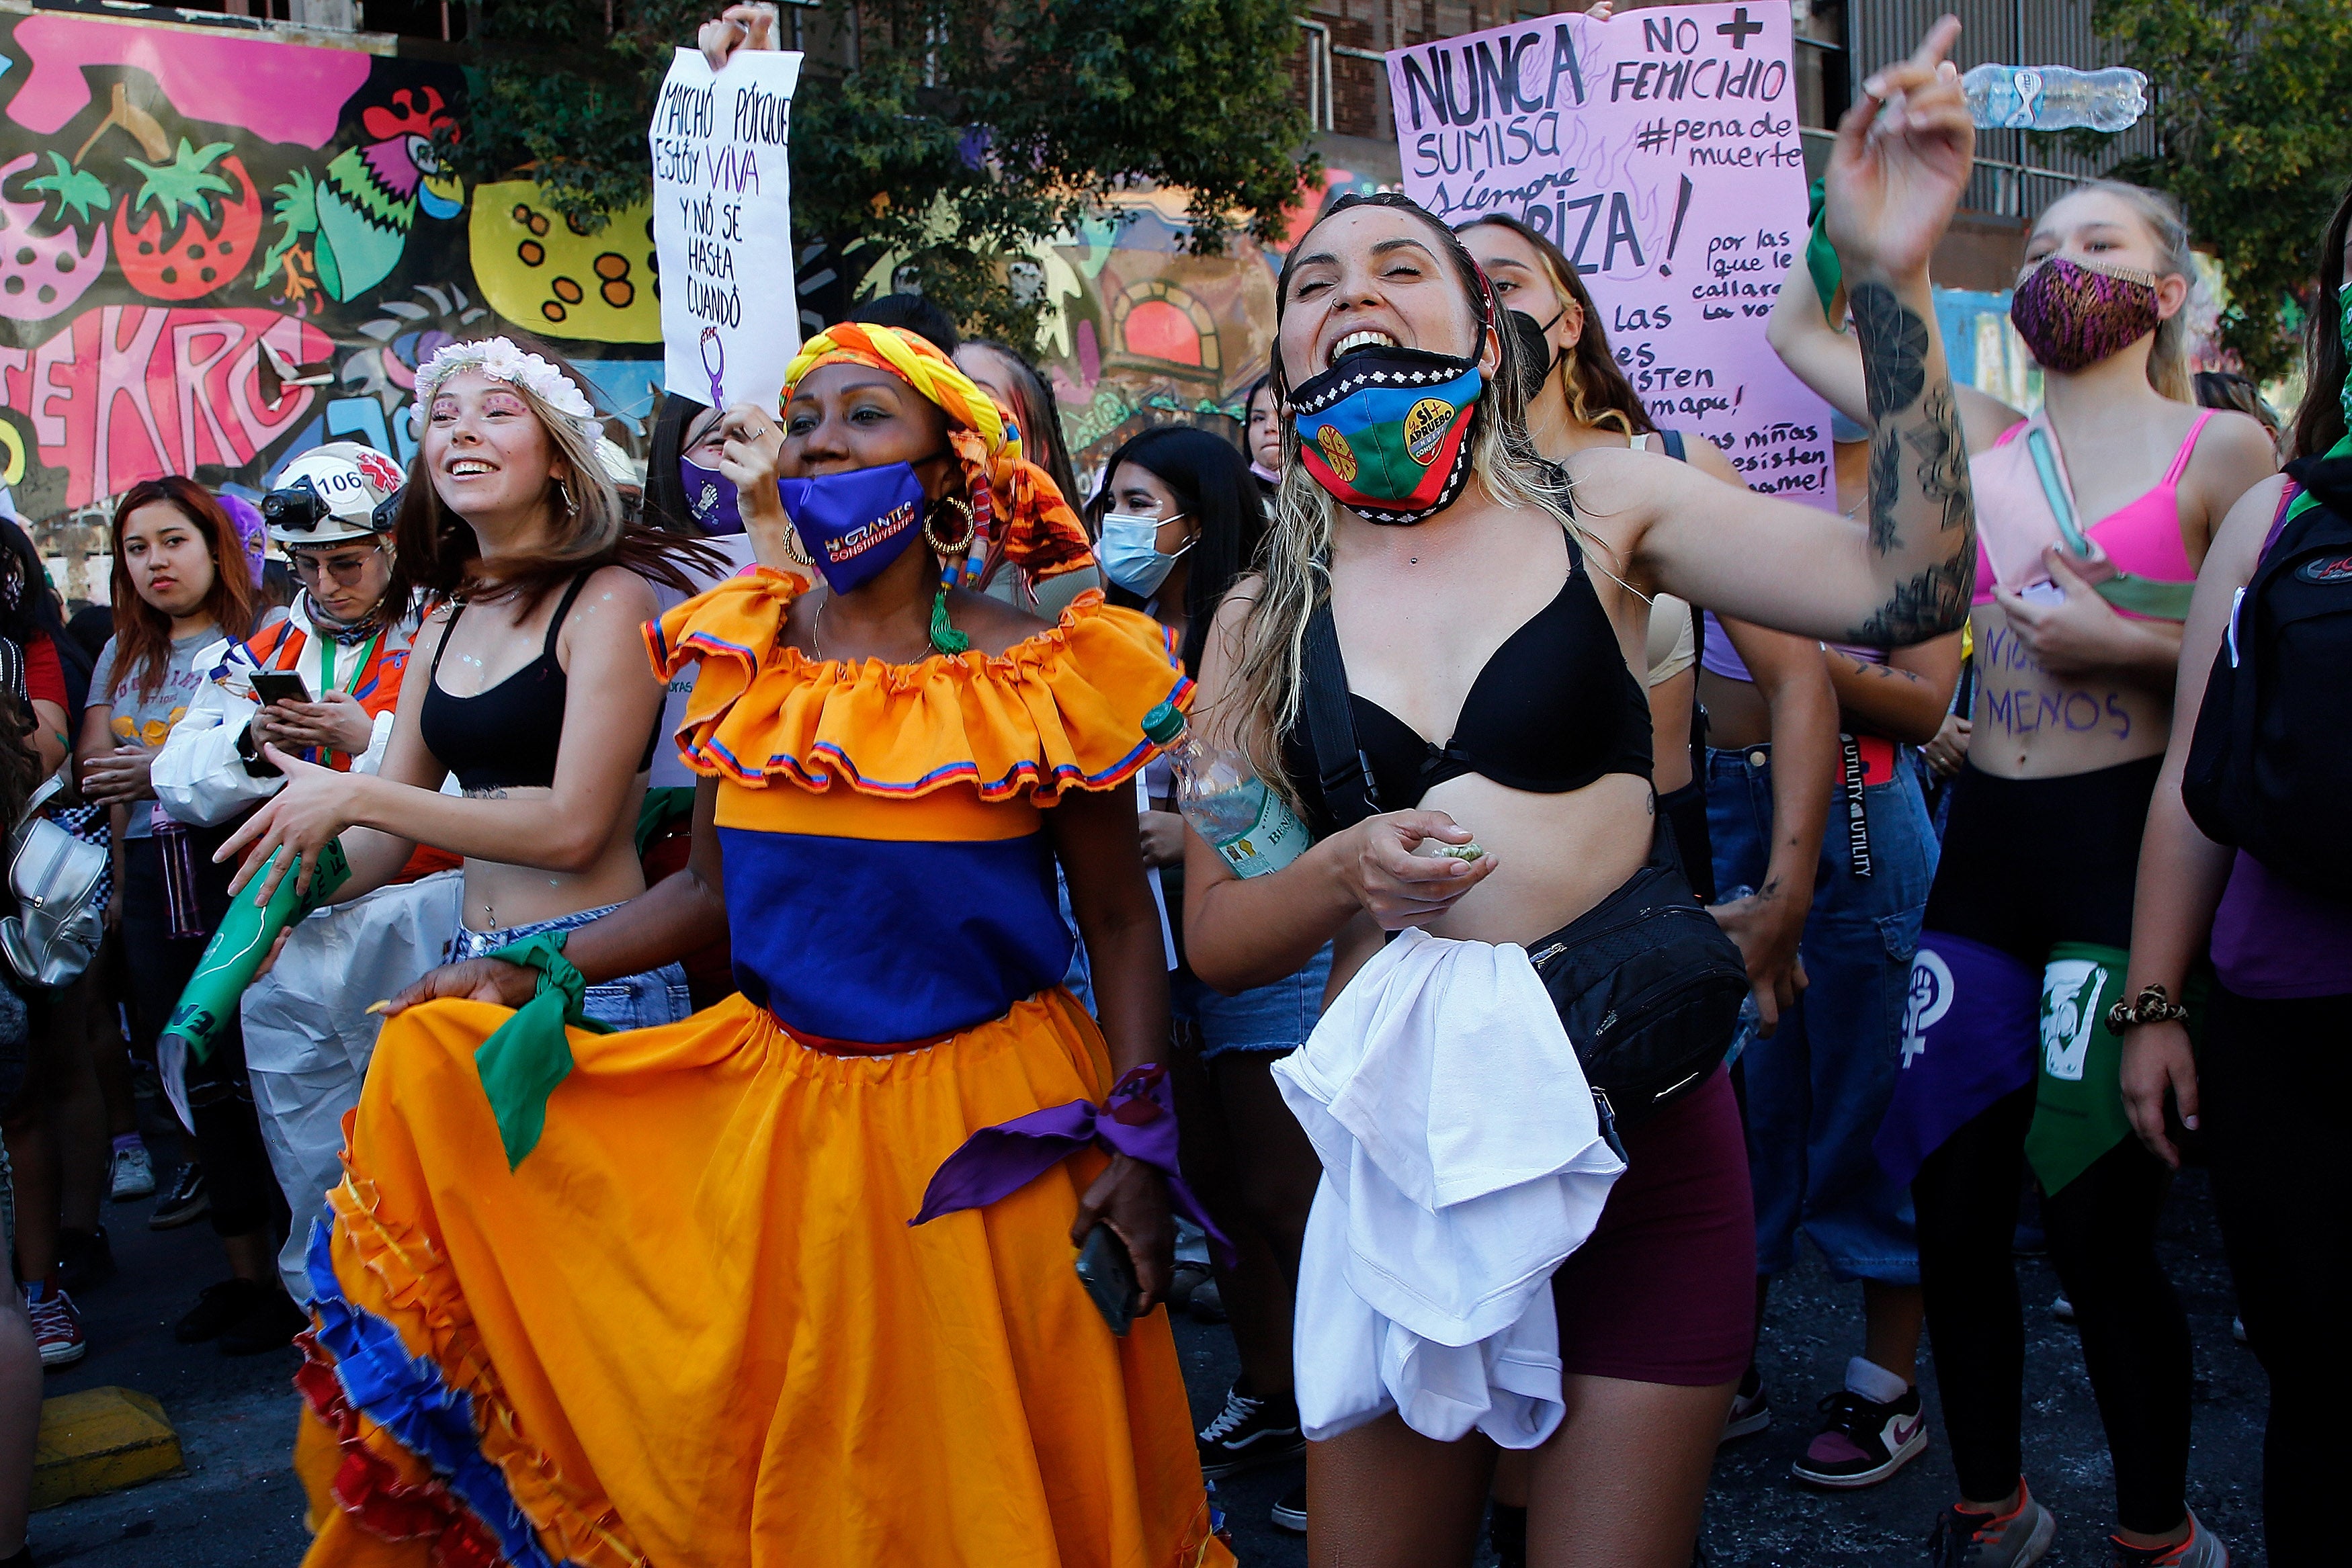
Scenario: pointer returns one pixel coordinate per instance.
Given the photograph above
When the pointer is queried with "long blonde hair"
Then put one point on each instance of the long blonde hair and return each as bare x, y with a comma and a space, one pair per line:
1269, 672
2167, 357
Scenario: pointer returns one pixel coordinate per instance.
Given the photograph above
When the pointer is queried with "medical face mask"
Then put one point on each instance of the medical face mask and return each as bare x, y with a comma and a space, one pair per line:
1386, 431
1129, 551
710, 498
2073, 314
856, 524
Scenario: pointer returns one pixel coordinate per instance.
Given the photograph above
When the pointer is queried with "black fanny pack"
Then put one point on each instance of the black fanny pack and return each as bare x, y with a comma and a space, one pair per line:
1646, 984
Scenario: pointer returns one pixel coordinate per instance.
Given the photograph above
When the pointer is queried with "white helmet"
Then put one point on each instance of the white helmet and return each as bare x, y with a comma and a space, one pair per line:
333, 494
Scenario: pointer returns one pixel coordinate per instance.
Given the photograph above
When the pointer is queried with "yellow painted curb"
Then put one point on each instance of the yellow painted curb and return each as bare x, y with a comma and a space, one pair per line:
100, 1440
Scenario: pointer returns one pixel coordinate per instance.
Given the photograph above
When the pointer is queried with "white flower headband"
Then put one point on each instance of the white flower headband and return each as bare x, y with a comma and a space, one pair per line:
498, 359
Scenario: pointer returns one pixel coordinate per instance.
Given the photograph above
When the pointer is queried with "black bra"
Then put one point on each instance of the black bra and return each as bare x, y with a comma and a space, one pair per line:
1554, 709
508, 737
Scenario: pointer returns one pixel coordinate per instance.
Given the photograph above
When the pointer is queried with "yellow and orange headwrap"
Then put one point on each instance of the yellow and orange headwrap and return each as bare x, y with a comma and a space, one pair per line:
1015, 504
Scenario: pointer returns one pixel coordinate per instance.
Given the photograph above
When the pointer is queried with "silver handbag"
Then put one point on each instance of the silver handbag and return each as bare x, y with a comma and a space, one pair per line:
60, 920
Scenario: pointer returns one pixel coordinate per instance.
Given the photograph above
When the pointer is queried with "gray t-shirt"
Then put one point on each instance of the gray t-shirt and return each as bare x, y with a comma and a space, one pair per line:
149, 719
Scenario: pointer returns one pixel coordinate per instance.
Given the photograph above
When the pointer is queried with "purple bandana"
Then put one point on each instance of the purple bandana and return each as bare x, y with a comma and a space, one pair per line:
1971, 1033
1138, 1120
2073, 314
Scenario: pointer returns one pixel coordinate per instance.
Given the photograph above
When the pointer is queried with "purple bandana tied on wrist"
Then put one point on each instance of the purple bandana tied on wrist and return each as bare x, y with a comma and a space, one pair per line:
1137, 1119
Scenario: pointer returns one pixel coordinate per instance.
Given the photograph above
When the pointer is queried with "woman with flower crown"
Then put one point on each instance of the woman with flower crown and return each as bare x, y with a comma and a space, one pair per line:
536, 694
792, 1281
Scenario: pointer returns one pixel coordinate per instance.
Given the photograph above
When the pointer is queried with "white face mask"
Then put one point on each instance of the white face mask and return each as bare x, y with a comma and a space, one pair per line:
1129, 551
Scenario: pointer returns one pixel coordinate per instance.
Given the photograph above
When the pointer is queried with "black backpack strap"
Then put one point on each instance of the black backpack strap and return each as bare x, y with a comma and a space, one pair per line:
1341, 767
1672, 440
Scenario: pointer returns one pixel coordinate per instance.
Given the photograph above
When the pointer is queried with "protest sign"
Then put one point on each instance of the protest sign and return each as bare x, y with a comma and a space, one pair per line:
1660, 151
723, 226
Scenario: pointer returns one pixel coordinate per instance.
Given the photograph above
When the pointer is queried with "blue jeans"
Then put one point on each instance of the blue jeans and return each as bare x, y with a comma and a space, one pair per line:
1819, 1085
633, 1001
1276, 1018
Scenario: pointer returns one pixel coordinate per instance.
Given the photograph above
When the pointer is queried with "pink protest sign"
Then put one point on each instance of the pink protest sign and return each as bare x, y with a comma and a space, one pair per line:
1660, 152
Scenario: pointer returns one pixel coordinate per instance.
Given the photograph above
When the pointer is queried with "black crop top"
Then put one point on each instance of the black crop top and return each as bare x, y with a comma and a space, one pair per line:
505, 737
1554, 709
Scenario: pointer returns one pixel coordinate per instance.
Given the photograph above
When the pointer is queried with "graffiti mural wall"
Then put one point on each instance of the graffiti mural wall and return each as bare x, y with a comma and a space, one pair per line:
217, 250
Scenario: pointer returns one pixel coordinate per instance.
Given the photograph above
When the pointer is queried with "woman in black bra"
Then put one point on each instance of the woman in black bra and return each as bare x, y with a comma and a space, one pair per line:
1481, 620
537, 697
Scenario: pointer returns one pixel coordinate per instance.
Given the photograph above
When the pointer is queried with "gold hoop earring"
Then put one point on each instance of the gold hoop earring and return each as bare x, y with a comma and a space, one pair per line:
796, 550
946, 548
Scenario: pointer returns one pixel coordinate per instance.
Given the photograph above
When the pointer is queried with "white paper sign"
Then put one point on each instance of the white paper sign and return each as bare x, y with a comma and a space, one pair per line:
723, 225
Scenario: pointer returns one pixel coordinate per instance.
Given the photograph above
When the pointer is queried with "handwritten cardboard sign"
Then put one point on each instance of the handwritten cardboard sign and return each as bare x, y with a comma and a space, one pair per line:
723, 225
1660, 151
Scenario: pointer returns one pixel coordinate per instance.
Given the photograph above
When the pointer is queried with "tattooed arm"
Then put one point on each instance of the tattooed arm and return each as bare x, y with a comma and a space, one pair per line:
1906, 574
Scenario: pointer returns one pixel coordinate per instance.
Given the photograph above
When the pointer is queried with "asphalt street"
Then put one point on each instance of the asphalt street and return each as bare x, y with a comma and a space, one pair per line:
238, 1503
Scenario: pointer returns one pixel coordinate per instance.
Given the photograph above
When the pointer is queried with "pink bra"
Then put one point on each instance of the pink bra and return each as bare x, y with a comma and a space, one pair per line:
2142, 536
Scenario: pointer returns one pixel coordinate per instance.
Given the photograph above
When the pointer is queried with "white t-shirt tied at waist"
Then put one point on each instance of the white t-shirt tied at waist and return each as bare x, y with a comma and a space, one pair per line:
1463, 1161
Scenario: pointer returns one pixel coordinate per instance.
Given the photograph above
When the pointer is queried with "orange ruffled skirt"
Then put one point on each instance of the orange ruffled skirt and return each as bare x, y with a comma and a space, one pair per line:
694, 1327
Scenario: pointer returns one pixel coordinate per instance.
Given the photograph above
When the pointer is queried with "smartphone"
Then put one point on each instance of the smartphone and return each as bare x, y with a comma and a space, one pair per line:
1109, 1275
278, 687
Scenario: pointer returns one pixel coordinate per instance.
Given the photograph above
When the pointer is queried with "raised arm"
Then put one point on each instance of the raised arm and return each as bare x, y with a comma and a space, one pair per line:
1893, 181
1830, 362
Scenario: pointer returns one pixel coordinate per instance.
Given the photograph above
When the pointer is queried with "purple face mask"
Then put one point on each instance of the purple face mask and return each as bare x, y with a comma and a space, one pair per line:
710, 498
856, 524
2073, 314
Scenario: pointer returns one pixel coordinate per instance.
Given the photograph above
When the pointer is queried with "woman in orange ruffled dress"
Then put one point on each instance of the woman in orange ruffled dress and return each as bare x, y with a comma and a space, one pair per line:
655, 1297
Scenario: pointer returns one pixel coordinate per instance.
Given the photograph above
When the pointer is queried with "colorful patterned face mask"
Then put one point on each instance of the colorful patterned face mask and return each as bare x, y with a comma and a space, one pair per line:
856, 524
1386, 431
2073, 314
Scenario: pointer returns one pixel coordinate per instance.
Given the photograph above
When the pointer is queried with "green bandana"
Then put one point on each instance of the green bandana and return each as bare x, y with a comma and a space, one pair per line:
2343, 447
529, 1055
2078, 1113
1821, 256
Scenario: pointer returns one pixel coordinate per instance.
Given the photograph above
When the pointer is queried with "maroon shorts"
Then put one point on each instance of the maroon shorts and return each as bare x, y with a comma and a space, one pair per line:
1664, 1292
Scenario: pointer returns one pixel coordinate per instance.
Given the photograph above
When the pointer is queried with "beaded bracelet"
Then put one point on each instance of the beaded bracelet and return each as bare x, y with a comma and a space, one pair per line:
2153, 1006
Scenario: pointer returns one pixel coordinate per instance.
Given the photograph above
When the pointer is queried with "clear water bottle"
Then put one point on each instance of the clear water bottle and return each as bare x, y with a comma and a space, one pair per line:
2054, 97
1226, 802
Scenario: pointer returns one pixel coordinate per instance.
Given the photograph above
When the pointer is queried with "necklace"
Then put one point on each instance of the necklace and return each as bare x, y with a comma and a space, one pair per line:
816, 644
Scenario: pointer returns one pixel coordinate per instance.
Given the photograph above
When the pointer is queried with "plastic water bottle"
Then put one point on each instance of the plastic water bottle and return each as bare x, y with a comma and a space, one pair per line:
2054, 97
1226, 802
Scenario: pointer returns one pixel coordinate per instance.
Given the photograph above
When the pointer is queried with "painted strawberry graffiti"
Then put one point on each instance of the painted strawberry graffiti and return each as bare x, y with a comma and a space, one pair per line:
185, 244
41, 275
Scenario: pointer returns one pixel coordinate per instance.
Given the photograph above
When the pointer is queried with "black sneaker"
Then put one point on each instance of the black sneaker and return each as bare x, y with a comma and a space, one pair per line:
221, 1308
1248, 1433
1863, 1442
271, 1324
84, 1260
1289, 1512
186, 1202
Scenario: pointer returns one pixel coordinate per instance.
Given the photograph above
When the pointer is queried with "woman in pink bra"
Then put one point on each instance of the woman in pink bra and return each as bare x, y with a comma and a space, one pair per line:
2093, 515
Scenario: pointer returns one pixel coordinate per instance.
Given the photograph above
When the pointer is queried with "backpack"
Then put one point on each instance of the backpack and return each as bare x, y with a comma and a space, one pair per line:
2270, 762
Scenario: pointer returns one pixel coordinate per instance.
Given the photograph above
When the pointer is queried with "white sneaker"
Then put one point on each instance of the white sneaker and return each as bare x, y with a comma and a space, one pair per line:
131, 1174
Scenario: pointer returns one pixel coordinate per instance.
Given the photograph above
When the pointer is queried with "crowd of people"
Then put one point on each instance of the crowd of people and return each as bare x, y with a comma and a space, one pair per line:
773, 1031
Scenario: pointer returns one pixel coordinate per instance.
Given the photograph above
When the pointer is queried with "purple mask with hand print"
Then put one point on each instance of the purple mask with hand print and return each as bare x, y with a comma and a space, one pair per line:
710, 498
2073, 314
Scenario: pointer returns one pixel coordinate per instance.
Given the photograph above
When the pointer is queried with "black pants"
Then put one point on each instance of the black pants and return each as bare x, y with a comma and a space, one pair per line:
2273, 1084
244, 1191
2001, 883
